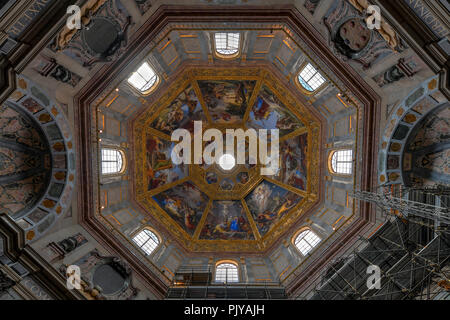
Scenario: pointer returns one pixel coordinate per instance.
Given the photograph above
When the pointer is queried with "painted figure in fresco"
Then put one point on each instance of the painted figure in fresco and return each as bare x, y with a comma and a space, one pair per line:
169, 121
181, 113
270, 113
226, 221
160, 169
243, 177
261, 195
173, 205
211, 178
286, 206
189, 219
267, 213
286, 124
262, 110
227, 184
227, 101
293, 163
234, 226
184, 203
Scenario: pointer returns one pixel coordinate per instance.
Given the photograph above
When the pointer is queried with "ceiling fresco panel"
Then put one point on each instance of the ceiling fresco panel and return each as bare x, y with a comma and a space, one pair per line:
160, 168
227, 101
269, 113
185, 204
227, 220
180, 113
293, 162
268, 203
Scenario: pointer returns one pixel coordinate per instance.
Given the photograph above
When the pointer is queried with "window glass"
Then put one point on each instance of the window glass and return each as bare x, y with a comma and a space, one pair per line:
310, 78
306, 241
147, 241
112, 161
144, 78
342, 162
227, 273
227, 43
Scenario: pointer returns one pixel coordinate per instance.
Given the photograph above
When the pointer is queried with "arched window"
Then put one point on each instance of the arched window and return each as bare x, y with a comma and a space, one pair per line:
227, 272
147, 241
342, 162
227, 44
144, 79
112, 161
310, 78
306, 241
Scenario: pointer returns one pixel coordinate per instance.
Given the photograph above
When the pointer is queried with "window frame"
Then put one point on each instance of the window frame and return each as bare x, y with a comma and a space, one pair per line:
228, 262
152, 88
227, 56
124, 161
300, 85
313, 247
330, 162
153, 231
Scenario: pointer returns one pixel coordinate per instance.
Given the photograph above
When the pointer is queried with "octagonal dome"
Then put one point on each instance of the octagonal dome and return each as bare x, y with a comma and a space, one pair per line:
206, 207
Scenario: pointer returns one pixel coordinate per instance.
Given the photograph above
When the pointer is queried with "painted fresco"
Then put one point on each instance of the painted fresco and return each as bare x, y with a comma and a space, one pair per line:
268, 203
19, 129
227, 184
270, 113
211, 178
160, 169
243, 177
426, 158
227, 101
434, 130
226, 221
180, 113
185, 203
293, 162
438, 162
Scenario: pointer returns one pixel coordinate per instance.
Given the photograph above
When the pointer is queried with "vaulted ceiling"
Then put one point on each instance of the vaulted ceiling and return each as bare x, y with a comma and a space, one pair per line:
71, 98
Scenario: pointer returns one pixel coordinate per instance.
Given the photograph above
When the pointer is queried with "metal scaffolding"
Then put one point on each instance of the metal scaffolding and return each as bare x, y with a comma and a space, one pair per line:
411, 250
405, 206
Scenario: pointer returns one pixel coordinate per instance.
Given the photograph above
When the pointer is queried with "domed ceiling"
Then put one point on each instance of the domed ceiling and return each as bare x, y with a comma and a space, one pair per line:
206, 207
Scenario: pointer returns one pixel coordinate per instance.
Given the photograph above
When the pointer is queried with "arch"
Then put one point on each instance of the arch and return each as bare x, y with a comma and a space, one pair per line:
112, 161
341, 162
399, 128
25, 161
147, 240
227, 271
227, 44
144, 79
305, 240
426, 150
29, 99
310, 79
